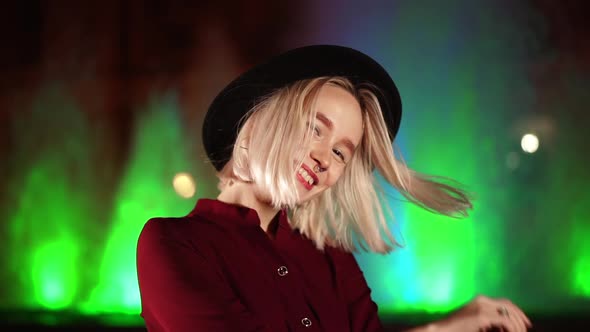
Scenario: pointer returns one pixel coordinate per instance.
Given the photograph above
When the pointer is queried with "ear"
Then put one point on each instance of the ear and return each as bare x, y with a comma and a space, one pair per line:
240, 165
245, 131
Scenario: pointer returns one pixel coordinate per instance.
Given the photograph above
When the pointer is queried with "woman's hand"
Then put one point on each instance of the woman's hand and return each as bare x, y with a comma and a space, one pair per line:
482, 314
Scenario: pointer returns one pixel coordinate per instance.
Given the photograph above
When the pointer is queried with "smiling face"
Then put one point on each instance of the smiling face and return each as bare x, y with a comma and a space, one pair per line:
337, 132
297, 142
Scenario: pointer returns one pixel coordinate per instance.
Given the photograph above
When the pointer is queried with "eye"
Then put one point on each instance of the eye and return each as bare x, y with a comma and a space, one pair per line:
316, 131
339, 154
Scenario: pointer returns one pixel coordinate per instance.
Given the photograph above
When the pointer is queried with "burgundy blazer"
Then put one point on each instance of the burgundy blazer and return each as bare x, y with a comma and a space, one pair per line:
217, 270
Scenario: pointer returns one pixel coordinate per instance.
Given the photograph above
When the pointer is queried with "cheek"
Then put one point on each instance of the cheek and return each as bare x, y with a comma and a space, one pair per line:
333, 177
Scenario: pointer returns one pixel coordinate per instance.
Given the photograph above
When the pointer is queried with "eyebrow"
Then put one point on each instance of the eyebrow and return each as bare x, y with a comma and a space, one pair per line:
328, 123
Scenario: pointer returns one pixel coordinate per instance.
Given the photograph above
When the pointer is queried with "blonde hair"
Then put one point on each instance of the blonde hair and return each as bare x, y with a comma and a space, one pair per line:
269, 149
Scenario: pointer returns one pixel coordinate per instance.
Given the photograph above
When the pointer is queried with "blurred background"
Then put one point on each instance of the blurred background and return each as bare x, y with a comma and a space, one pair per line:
101, 106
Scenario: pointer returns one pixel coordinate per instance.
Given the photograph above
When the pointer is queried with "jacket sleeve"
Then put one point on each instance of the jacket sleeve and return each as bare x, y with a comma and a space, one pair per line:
181, 289
354, 290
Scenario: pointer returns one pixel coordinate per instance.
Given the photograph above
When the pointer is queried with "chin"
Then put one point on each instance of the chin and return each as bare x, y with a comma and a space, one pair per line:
308, 196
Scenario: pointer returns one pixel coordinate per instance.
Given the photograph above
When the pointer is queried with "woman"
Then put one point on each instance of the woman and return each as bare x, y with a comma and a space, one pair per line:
296, 142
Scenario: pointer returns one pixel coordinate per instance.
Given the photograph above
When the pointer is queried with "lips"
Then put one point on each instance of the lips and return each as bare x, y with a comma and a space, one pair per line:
305, 175
311, 173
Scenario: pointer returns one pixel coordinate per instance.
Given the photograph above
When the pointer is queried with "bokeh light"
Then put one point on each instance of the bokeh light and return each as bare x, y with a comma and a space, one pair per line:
184, 185
529, 143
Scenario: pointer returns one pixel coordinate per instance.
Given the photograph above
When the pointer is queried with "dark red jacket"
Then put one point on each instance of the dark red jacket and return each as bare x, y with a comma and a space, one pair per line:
217, 270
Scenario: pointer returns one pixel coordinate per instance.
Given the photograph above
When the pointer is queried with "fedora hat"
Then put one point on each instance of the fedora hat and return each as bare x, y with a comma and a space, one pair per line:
223, 118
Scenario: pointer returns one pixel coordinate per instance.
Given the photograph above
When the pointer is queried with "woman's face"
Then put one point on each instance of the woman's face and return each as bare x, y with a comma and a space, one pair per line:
337, 133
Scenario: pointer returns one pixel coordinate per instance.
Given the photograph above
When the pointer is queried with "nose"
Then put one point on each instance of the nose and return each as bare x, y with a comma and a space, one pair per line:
321, 155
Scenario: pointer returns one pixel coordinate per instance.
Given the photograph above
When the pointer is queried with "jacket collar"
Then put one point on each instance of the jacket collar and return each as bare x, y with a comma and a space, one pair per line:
232, 215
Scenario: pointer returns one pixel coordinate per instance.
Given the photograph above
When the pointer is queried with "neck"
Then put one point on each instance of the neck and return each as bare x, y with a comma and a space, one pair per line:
243, 194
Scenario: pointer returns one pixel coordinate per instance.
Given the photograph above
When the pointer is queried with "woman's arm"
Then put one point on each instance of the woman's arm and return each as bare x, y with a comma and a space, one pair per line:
481, 314
426, 328
478, 315
180, 287
353, 288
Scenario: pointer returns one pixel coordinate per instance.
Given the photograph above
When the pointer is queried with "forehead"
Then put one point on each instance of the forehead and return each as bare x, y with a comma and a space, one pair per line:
342, 109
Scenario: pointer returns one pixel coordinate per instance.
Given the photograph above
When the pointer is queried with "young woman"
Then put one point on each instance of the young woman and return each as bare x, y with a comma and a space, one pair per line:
296, 142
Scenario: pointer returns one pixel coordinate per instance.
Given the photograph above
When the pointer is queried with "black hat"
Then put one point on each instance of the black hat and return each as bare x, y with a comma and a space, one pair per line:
221, 124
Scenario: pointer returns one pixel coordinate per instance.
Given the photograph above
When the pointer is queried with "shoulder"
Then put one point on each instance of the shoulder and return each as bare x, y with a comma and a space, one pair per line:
164, 227
186, 230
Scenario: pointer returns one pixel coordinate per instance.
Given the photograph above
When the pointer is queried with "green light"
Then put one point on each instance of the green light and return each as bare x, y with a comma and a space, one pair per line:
54, 272
145, 191
579, 244
582, 276
445, 256
50, 219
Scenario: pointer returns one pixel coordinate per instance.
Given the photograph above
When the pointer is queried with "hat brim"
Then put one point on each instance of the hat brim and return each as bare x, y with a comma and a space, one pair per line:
222, 121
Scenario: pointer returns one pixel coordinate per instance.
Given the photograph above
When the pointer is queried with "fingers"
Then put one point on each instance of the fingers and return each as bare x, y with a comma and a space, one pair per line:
505, 314
517, 323
503, 323
485, 313
517, 311
502, 317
